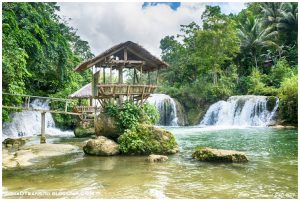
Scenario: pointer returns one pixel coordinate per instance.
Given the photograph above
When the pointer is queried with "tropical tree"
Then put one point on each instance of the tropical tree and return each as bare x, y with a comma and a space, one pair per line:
254, 38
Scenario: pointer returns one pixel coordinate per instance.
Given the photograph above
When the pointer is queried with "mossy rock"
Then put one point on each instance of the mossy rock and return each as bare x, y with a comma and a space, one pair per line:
271, 102
8, 142
105, 126
84, 132
219, 155
101, 146
146, 139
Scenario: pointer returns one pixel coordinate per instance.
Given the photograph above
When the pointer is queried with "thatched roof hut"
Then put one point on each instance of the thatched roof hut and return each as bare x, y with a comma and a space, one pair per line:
135, 53
83, 93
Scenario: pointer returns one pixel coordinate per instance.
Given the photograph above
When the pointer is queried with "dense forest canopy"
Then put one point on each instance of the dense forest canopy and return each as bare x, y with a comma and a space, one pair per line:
39, 52
253, 52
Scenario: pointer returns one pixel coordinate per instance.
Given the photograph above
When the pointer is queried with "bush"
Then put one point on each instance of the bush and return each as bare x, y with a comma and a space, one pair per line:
146, 139
129, 114
288, 95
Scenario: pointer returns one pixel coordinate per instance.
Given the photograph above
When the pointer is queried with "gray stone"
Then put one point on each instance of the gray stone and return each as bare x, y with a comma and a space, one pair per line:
156, 158
101, 146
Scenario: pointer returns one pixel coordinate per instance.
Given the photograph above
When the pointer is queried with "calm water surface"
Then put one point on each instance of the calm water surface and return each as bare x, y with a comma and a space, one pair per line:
270, 173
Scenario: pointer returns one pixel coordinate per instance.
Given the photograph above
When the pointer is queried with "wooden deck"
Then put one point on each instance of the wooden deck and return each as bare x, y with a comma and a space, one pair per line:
115, 90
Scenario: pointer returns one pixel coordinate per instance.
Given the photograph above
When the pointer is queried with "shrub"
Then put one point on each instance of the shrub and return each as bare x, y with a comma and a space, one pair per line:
129, 114
146, 139
288, 95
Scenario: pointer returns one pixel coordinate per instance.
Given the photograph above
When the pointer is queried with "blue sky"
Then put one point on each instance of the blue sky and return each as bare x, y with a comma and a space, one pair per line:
226, 7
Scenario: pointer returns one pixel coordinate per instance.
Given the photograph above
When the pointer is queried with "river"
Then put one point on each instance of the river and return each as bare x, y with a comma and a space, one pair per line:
270, 173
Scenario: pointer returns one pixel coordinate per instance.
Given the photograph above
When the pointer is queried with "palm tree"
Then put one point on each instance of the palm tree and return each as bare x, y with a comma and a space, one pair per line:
254, 37
271, 12
288, 22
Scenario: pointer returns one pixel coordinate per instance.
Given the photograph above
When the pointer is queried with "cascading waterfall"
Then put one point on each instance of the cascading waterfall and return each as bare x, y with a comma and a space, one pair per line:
241, 111
28, 123
166, 107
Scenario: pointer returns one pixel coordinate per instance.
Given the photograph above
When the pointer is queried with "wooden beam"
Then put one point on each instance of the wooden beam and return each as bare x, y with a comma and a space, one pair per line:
43, 127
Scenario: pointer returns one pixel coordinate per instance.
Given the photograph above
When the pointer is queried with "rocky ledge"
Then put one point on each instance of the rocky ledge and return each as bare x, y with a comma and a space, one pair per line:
219, 155
29, 155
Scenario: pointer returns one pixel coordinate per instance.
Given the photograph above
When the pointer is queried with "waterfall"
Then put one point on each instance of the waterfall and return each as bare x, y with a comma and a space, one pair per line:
28, 123
166, 107
241, 111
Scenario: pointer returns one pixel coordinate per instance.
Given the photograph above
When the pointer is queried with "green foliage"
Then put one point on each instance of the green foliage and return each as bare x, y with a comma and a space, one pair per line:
146, 139
288, 94
248, 53
150, 114
39, 54
129, 114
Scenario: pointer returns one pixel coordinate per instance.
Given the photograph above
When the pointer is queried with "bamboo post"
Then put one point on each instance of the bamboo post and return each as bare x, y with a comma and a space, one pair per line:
157, 72
103, 75
110, 75
43, 127
141, 73
149, 78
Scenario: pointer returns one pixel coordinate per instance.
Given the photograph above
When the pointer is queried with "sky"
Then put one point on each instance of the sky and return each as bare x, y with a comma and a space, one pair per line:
104, 25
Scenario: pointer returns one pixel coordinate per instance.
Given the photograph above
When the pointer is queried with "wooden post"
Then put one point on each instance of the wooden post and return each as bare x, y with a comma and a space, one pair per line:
157, 75
103, 75
141, 73
91, 101
43, 127
149, 78
110, 76
134, 75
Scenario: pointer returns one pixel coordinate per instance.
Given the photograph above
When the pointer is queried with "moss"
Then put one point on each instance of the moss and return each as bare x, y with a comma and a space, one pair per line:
207, 155
84, 132
146, 139
271, 102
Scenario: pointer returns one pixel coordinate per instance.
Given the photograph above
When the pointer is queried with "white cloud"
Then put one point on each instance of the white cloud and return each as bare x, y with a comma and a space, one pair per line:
106, 24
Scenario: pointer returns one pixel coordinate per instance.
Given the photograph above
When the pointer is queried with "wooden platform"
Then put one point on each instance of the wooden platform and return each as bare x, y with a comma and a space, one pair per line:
115, 90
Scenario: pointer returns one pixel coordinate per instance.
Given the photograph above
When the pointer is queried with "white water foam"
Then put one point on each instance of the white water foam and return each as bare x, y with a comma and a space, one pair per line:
166, 107
240, 111
28, 123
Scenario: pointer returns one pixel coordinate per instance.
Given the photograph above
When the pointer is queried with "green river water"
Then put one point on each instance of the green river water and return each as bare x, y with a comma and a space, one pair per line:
272, 170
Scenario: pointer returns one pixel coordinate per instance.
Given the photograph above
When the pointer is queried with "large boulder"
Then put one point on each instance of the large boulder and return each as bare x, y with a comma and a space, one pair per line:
146, 139
101, 146
181, 114
84, 132
219, 155
105, 126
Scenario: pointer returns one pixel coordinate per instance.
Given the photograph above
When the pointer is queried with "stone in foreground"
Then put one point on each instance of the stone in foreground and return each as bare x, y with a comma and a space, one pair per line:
219, 155
101, 146
156, 158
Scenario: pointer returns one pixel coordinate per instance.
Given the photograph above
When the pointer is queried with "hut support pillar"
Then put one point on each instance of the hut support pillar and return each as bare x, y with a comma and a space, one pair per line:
43, 127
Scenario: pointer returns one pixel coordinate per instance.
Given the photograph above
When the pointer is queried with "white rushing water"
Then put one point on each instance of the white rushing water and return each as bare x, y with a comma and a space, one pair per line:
28, 123
240, 111
166, 107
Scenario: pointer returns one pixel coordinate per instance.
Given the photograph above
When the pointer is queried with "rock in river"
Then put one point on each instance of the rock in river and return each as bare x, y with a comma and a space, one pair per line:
157, 158
219, 155
101, 146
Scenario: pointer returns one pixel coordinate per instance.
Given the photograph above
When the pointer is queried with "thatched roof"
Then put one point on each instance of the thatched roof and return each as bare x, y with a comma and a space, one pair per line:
135, 52
84, 92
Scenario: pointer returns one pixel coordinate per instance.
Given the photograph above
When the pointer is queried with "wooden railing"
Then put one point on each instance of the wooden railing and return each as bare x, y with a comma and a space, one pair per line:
65, 105
113, 90
84, 109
